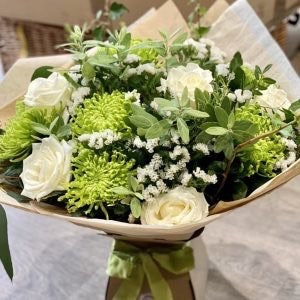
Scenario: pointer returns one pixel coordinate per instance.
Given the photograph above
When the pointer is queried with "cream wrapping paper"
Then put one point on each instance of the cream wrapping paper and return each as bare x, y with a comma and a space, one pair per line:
228, 31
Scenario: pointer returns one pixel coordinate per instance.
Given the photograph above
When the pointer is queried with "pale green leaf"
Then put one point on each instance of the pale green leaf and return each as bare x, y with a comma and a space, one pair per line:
183, 130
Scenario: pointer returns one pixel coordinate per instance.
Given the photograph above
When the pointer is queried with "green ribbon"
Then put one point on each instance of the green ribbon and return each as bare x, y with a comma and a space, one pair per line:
132, 264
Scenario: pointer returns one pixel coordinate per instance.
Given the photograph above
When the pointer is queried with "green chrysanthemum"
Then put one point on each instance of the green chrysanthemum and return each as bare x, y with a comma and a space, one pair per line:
263, 155
146, 54
101, 112
250, 77
17, 139
93, 178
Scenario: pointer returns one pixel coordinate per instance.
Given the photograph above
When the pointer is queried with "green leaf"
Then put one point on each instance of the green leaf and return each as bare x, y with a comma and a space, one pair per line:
133, 183
222, 142
268, 80
43, 72
267, 68
137, 110
136, 208
120, 190
141, 121
242, 136
226, 105
184, 100
201, 31
228, 151
236, 62
216, 130
231, 120
53, 123
158, 129
295, 105
195, 113
183, 130
40, 128
208, 124
117, 10
200, 99
222, 116
88, 70
239, 189
63, 131
245, 125
180, 38
5, 256
98, 33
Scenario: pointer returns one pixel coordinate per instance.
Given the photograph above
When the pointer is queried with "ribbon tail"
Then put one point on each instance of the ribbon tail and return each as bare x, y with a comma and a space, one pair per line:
130, 288
158, 285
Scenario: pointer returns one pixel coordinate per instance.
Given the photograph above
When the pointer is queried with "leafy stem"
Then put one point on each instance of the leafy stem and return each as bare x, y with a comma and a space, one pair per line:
241, 146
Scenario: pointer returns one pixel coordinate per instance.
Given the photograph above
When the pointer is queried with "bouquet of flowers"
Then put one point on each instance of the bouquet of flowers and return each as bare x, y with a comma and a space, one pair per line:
154, 133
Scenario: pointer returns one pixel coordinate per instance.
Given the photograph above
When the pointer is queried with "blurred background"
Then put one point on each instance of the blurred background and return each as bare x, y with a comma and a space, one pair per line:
35, 27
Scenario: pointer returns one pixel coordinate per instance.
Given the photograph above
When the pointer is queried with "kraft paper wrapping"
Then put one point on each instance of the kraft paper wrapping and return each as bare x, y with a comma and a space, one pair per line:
226, 32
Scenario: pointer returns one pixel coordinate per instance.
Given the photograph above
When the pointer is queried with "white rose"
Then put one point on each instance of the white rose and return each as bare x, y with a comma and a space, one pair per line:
273, 98
181, 205
192, 77
47, 169
48, 92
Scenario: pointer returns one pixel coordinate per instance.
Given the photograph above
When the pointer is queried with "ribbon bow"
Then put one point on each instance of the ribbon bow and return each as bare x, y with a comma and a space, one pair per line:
132, 264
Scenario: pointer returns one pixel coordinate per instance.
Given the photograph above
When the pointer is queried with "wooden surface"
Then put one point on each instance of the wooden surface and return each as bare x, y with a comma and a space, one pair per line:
254, 254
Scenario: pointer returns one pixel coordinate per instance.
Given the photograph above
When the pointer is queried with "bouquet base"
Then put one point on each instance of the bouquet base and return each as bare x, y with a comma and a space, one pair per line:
188, 286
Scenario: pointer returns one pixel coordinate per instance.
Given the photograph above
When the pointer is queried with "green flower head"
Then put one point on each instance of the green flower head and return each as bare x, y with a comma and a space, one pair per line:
94, 176
146, 54
262, 156
18, 136
107, 111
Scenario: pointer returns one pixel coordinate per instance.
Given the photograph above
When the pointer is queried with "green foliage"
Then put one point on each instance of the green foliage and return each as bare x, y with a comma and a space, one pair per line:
262, 156
145, 54
117, 10
20, 131
107, 111
94, 177
43, 72
5, 257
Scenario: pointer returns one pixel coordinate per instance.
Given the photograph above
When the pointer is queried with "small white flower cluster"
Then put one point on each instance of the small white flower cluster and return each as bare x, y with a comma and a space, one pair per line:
75, 76
154, 105
147, 68
98, 140
185, 178
133, 95
198, 46
202, 148
240, 96
216, 54
222, 69
149, 144
77, 98
175, 137
284, 163
131, 58
198, 173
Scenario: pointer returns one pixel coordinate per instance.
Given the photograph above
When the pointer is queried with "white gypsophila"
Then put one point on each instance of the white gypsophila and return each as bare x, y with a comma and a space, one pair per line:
50, 92
137, 142
222, 69
150, 192
284, 163
273, 98
161, 186
198, 46
180, 151
217, 55
242, 95
150, 170
181, 205
133, 95
98, 140
47, 169
175, 137
148, 68
131, 58
154, 105
290, 144
163, 86
185, 178
151, 144
191, 77
202, 148
75, 76
198, 173
77, 98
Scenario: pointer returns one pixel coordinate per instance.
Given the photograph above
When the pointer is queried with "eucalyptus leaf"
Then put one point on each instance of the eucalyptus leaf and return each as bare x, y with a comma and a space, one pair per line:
40, 128
137, 110
5, 256
88, 70
133, 183
184, 100
231, 120
141, 121
183, 130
